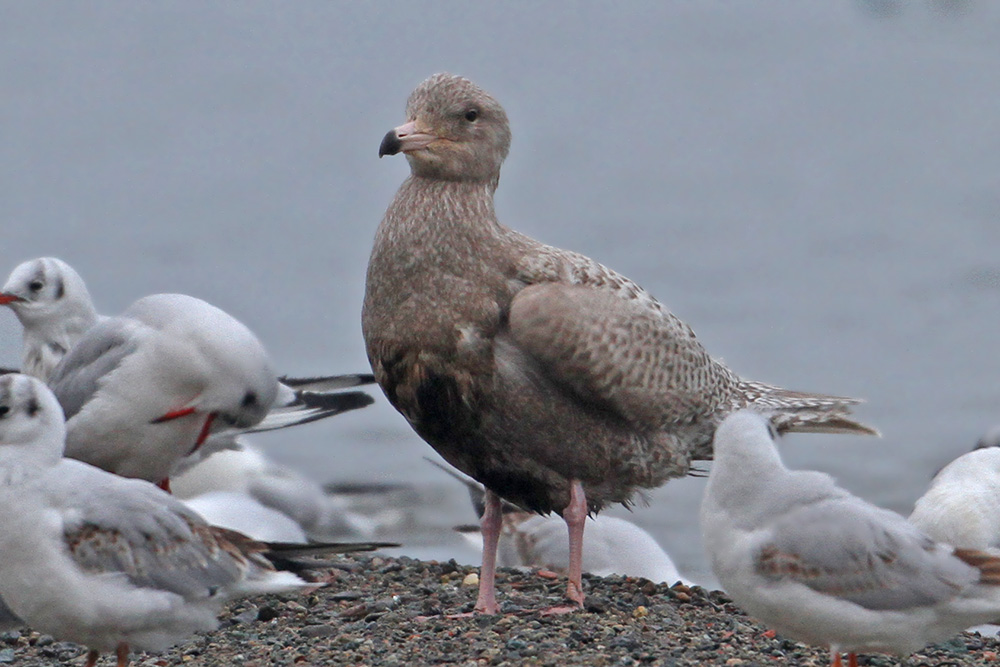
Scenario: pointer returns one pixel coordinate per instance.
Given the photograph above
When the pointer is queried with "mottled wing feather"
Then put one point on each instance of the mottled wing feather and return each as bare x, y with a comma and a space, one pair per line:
642, 362
129, 528
77, 377
866, 555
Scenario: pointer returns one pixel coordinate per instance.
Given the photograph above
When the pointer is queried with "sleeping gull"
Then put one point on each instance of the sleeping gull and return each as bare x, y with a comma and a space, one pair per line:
108, 562
827, 568
555, 382
51, 301
242, 484
962, 505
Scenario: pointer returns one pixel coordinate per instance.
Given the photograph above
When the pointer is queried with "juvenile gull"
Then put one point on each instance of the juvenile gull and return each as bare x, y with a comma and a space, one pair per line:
108, 562
827, 568
555, 382
51, 301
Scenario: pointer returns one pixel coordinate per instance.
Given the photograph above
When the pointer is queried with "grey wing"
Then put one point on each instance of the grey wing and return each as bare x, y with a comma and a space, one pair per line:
113, 525
619, 352
864, 554
77, 377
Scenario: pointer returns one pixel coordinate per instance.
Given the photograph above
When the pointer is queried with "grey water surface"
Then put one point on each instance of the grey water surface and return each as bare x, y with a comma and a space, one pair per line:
814, 186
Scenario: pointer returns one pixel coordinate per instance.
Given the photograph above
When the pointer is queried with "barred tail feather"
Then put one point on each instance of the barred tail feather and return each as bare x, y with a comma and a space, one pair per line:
802, 412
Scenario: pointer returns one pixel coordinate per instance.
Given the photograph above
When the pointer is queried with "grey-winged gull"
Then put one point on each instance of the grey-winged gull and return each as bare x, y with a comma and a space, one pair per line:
108, 562
822, 566
52, 302
557, 383
54, 307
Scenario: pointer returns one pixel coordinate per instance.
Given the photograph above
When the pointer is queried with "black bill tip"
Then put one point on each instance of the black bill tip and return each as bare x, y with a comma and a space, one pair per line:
390, 144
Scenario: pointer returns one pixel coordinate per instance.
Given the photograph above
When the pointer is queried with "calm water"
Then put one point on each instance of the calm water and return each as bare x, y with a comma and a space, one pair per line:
812, 185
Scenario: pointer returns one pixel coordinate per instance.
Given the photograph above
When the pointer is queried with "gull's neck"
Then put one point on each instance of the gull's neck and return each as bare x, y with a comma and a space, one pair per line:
47, 340
22, 462
444, 209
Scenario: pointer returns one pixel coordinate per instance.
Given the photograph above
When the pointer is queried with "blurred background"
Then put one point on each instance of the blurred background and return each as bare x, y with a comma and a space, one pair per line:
814, 186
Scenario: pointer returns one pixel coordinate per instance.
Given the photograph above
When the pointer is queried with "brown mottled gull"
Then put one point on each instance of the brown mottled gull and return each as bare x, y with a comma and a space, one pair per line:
557, 383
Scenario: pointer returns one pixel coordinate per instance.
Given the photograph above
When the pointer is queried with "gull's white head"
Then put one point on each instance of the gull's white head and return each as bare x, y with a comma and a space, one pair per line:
239, 383
47, 290
30, 418
745, 432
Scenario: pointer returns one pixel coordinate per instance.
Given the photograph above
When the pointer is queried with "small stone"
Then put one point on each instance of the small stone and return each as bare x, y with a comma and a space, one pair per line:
640, 612
318, 631
7, 655
45, 640
471, 579
268, 613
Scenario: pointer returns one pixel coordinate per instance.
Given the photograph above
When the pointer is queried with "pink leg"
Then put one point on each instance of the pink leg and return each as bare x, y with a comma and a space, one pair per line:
492, 519
852, 660
122, 653
92, 657
575, 516
835, 658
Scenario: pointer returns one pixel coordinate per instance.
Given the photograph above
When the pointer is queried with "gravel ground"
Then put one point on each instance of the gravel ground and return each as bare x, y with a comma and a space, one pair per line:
391, 611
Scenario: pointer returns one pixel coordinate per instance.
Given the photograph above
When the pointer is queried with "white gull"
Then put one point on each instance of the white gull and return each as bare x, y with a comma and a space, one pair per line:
822, 566
108, 562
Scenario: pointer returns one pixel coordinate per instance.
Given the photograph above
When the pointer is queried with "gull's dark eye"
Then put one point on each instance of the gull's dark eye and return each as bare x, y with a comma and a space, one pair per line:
471, 115
3, 411
36, 285
32, 408
249, 399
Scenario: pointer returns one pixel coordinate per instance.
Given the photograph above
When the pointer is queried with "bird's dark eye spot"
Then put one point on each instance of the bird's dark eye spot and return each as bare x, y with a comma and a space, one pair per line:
3, 411
471, 115
32, 408
249, 399
36, 285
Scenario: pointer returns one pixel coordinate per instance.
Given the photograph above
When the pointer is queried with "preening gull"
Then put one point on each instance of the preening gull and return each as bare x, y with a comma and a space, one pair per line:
51, 301
107, 562
557, 383
827, 568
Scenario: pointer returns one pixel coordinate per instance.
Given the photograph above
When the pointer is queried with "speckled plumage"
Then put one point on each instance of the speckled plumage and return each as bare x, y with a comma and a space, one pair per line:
524, 365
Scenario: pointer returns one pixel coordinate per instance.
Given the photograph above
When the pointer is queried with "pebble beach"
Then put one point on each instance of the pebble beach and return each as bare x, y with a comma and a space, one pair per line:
398, 612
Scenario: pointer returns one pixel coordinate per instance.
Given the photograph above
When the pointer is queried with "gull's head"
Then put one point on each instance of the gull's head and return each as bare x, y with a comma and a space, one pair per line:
30, 415
745, 432
454, 131
46, 290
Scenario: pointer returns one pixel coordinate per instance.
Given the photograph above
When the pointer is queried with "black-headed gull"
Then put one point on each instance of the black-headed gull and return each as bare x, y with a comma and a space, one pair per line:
51, 301
822, 566
557, 383
103, 561
53, 305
